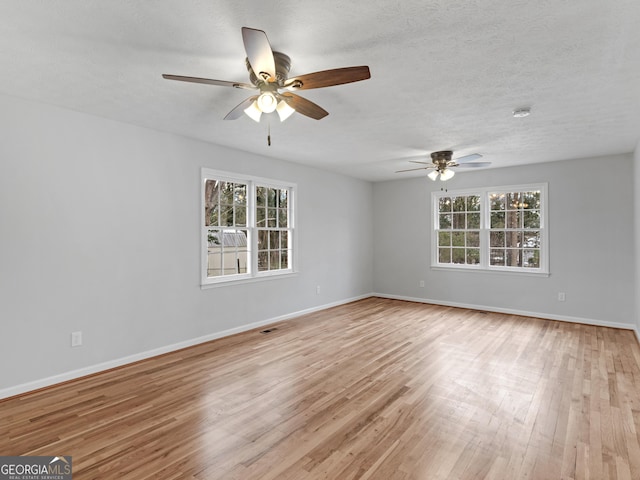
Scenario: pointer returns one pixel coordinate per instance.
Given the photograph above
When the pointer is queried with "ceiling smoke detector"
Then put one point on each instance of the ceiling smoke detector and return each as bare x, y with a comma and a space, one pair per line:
522, 112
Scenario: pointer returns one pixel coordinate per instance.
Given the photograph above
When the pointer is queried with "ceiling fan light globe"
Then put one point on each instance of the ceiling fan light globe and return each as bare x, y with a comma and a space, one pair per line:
447, 174
284, 110
267, 102
253, 112
433, 175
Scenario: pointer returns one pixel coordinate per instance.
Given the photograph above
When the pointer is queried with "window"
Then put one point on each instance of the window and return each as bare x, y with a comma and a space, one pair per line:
248, 229
459, 230
272, 214
491, 229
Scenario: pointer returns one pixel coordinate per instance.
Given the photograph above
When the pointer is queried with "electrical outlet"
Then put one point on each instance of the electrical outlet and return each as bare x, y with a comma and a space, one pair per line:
421, 284
76, 339
318, 290
561, 296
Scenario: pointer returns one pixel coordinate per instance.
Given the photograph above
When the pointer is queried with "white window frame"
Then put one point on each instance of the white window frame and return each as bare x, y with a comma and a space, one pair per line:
252, 230
485, 229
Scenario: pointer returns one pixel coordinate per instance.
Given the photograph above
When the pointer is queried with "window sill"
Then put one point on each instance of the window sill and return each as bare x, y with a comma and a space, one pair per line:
240, 281
492, 271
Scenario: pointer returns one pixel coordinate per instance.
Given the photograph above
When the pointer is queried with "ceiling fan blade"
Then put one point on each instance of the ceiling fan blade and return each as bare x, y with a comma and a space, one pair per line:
424, 163
414, 169
328, 78
304, 106
239, 110
474, 165
259, 53
468, 158
210, 81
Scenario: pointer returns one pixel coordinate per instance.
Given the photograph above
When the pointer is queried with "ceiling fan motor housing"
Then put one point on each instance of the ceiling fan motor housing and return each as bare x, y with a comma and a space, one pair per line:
283, 65
441, 159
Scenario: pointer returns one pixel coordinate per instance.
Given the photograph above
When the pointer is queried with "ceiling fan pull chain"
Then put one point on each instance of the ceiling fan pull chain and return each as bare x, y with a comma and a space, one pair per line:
269, 133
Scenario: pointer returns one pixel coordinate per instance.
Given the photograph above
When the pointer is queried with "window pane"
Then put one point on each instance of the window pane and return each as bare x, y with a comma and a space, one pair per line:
226, 193
226, 216
272, 195
261, 196
213, 237
263, 261
211, 202
532, 199
284, 239
282, 218
497, 201
227, 252
458, 239
263, 239
473, 203
444, 204
473, 239
497, 239
512, 239
473, 256
444, 239
473, 220
497, 219
445, 221
458, 255
284, 259
497, 257
513, 201
272, 217
531, 239
531, 219
444, 255
531, 258
211, 215
214, 263
274, 260
459, 221
239, 194
459, 204
513, 257
283, 201
274, 240
241, 217
261, 217
513, 219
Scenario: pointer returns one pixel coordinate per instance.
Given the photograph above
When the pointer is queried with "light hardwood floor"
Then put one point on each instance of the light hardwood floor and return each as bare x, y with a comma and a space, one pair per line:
376, 389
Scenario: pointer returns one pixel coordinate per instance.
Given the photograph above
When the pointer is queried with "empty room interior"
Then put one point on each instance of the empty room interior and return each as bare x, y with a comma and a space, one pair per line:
321, 240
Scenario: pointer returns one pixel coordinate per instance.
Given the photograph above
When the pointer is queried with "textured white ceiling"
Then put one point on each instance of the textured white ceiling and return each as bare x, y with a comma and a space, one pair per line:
445, 75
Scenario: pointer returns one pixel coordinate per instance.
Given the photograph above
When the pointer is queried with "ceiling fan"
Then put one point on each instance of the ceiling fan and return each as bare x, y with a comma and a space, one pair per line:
268, 73
442, 164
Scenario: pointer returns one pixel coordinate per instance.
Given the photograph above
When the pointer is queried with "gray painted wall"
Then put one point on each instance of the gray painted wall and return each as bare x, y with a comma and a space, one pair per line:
591, 235
636, 189
100, 223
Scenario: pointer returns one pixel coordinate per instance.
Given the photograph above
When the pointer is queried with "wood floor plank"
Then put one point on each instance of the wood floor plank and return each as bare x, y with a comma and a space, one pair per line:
376, 389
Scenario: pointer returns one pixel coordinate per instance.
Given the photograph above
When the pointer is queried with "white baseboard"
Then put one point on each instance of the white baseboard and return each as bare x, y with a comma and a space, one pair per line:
510, 311
90, 370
